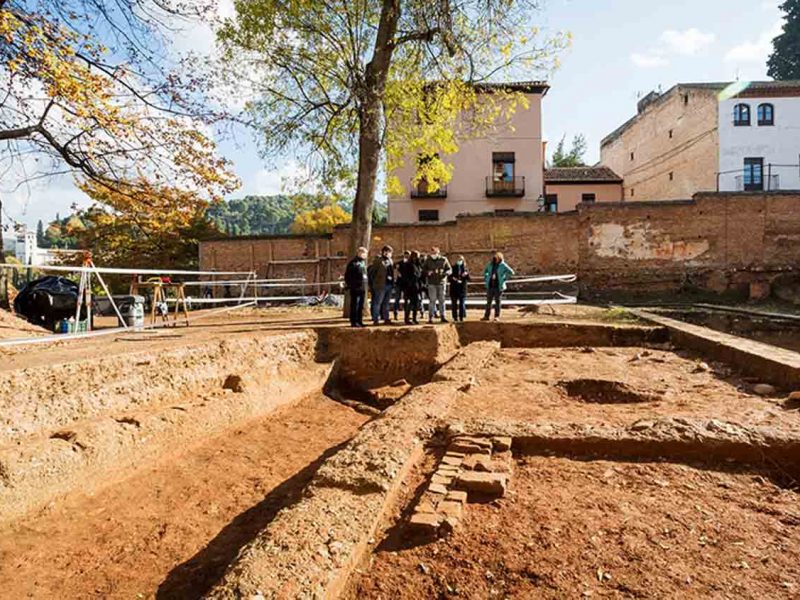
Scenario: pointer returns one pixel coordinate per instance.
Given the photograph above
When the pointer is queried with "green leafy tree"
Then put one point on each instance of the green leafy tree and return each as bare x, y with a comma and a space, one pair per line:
330, 75
784, 63
572, 157
40, 241
253, 215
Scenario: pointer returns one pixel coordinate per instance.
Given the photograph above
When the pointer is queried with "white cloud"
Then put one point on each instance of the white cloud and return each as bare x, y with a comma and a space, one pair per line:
649, 61
288, 177
755, 51
672, 42
688, 43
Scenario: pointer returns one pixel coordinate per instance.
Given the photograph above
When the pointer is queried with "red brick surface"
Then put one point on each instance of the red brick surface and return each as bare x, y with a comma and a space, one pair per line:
715, 242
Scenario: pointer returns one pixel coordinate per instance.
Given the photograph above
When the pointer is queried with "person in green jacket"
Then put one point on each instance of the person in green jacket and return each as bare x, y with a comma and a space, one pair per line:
495, 276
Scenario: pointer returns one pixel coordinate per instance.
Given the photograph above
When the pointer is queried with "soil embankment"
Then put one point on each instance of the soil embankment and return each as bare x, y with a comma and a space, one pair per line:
172, 527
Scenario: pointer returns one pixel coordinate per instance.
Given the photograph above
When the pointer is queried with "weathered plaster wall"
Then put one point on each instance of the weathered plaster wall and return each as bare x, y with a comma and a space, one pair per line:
664, 166
715, 242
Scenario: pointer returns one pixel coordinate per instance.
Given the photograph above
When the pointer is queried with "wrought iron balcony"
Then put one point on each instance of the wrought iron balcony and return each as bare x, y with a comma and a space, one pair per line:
423, 189
513, 187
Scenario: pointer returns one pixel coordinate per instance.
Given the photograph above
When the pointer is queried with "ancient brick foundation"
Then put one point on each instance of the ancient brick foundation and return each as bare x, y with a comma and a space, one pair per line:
716, 243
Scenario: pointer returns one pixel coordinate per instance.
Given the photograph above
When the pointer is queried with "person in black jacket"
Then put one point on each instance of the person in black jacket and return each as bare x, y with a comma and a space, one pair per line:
411, 284
459, 278
355, 280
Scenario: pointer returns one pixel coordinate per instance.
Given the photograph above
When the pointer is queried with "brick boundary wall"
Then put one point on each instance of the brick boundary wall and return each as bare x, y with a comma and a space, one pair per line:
716, 243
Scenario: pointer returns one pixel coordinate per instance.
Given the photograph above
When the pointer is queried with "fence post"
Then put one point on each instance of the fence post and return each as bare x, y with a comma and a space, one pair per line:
718, 182
769, 177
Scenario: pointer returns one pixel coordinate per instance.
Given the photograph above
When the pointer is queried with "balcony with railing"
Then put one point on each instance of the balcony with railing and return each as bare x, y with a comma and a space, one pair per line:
769, 183
760, 177
423, 189
509, 187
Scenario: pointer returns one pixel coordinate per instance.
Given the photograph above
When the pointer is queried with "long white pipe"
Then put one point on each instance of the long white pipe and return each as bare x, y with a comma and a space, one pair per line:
66, 269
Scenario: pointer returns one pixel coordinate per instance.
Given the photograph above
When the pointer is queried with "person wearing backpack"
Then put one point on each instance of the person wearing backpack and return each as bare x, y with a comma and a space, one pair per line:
495, 277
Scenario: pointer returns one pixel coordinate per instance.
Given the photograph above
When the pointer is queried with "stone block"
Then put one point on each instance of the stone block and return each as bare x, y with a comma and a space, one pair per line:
450, 508
425, 523
493, 484
469, 448
478, 462
453, 461
501, 443
425, 506
437, 488
474, 440
456, 496
448, 526
447, 469
441, 479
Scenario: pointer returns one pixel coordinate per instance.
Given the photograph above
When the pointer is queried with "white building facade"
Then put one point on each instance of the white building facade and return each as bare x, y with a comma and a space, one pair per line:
759, 140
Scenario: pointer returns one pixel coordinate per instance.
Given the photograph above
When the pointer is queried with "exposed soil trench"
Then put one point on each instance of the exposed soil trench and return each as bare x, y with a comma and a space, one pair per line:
172, 527
596, 528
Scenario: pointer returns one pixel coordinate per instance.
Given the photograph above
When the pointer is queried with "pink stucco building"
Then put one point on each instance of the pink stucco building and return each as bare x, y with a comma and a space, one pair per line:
500, 173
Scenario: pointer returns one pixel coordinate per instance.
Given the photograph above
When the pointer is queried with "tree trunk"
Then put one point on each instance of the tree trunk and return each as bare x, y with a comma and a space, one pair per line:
370, 135
3, 272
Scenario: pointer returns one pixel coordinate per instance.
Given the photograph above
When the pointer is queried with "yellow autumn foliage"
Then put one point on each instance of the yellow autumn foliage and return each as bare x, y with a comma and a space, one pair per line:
320, 220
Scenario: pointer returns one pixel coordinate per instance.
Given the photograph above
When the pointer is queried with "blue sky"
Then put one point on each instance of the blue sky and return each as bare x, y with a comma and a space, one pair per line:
621, 50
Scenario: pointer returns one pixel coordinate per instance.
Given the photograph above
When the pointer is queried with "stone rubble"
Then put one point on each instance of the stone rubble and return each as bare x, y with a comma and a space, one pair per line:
473, 466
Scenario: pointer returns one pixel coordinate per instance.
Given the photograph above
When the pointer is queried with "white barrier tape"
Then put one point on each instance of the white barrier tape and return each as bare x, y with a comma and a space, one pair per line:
92, 334
110, 270
542, 279
244, 281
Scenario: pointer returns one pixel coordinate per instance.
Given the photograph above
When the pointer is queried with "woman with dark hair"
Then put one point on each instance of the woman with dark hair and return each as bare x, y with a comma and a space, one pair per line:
459, 278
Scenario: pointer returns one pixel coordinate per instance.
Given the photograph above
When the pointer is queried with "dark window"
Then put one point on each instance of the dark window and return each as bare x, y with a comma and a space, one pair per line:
753, 174
741, 115
633, 192
551, 203
766, 114
671, 176
631, 155
429, 215
504, 212
685, 99
670, 134
588, 197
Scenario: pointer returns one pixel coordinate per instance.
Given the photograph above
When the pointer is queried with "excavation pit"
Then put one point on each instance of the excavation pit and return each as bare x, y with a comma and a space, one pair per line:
602, 391
572, 528
272, 482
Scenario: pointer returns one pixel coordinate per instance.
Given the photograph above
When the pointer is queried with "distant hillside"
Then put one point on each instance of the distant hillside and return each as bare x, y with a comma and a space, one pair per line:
253, 215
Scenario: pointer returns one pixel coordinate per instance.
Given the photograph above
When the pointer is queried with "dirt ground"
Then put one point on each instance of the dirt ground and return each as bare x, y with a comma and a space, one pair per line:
214, 326
566, 385
571, 529
11, 326
170, 528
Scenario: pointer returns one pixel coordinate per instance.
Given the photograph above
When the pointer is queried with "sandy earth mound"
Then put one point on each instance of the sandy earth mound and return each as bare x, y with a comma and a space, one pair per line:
12, 326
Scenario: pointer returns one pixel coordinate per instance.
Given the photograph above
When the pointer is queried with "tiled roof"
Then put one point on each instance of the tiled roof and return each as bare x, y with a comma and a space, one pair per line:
529, 87
581, 175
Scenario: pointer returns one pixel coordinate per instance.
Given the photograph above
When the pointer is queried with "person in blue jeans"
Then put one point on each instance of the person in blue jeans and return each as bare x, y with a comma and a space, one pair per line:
495, 276
381, 279
458, 279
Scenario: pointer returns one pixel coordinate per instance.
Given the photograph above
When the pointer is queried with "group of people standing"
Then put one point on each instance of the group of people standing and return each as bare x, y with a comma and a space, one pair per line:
416, 277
